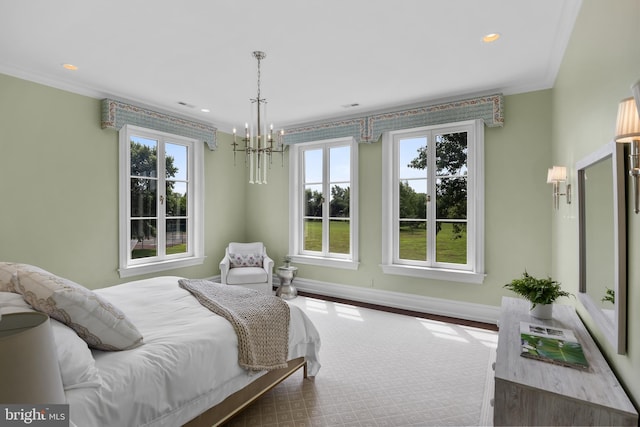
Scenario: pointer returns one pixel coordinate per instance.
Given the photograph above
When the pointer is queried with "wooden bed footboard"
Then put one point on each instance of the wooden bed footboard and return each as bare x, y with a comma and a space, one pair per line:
239, 400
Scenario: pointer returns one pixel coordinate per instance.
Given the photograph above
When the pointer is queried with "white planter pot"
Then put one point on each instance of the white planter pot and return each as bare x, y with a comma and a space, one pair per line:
542, 311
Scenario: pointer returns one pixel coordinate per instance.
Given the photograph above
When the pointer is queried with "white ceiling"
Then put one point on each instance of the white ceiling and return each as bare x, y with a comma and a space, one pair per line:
321, 55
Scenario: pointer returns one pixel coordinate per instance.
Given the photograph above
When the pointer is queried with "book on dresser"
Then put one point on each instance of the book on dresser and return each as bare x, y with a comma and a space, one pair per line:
552, 345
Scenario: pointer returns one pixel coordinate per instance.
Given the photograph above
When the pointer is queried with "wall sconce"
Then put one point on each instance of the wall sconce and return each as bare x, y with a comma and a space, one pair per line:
628, 130
555, 176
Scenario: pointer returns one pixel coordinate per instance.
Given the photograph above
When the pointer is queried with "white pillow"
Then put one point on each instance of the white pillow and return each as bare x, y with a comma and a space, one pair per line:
95, 320
12, 303
77, 366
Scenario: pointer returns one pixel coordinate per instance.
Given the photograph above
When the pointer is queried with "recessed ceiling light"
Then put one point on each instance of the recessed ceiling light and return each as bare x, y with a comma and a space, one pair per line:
205, 110
69, 67
491, 37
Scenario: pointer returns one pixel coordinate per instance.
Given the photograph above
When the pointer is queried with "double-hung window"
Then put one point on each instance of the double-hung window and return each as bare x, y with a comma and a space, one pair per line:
161, 183
323, 209
433, 208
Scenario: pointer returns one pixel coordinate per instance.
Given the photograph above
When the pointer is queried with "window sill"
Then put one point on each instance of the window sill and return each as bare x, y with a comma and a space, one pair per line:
346, 264
434, 273
136, 270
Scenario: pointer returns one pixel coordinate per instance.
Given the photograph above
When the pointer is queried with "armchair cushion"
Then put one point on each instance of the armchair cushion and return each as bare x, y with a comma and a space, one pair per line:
246, 275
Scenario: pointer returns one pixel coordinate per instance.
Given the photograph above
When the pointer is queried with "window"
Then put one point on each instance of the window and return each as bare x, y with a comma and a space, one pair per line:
323, 210
161, 180
433, 202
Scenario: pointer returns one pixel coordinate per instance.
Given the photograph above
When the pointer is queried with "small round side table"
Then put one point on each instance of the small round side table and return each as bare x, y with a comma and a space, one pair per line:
286, 289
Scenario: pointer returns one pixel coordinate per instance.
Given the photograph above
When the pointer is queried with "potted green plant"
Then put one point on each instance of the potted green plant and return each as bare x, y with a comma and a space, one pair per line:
609, 296
540, 292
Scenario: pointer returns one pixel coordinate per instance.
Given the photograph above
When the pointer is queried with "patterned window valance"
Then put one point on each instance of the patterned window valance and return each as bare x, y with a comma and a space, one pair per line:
370, 128
116, 114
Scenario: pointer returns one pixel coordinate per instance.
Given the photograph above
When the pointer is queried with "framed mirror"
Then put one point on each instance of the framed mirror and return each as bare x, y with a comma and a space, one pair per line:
602, 241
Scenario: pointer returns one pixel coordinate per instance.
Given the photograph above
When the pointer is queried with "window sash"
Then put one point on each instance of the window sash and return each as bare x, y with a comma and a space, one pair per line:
187, 217
393, 261
431, 177
161, 216
327, 251
325, 184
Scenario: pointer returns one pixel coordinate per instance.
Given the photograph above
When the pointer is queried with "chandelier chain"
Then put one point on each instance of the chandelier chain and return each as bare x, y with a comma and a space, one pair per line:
258, 79
259, 56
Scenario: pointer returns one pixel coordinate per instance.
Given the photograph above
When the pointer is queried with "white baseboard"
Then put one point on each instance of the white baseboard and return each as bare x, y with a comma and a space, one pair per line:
422, 304
441, 307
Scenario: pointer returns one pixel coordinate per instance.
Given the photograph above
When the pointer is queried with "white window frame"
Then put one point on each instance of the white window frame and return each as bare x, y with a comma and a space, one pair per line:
473, 271
195, 190
297, 200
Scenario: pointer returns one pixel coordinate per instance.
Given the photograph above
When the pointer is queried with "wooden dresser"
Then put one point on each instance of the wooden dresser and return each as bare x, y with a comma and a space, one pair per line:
533, 392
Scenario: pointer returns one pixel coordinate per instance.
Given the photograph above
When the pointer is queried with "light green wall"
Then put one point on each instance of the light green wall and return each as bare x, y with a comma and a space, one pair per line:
601, 63
59, 180
518, 204
59, 187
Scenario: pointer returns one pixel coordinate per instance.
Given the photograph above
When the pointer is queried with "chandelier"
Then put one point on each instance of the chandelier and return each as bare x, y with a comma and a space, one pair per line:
258, 139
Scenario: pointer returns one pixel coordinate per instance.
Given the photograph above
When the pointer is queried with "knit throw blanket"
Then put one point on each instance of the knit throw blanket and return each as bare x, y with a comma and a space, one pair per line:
261, 321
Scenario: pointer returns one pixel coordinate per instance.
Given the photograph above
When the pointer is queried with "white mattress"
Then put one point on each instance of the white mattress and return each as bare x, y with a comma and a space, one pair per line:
188, 362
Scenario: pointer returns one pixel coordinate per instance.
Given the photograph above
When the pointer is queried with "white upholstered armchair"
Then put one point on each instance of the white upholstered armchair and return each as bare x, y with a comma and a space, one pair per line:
247, 264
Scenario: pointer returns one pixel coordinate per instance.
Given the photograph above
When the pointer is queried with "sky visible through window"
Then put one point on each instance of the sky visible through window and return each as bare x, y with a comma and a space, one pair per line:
409, 151
340, 165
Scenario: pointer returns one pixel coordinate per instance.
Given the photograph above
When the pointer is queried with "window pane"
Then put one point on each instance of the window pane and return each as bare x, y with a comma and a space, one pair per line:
451, 199
339, 204
313, 201
143, 197
412, 204
143, 238
144, 157
312, 166
176, 242
340, 164
176, 198
451, 154
412, 155
451, 186
413, 240
451, 242
312, 235
176, 161
339, 236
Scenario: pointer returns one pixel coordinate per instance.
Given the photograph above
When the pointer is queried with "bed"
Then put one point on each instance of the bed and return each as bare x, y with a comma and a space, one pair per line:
184, 372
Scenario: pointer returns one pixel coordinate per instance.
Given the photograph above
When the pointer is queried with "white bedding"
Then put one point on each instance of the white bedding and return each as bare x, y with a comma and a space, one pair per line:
188, 362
